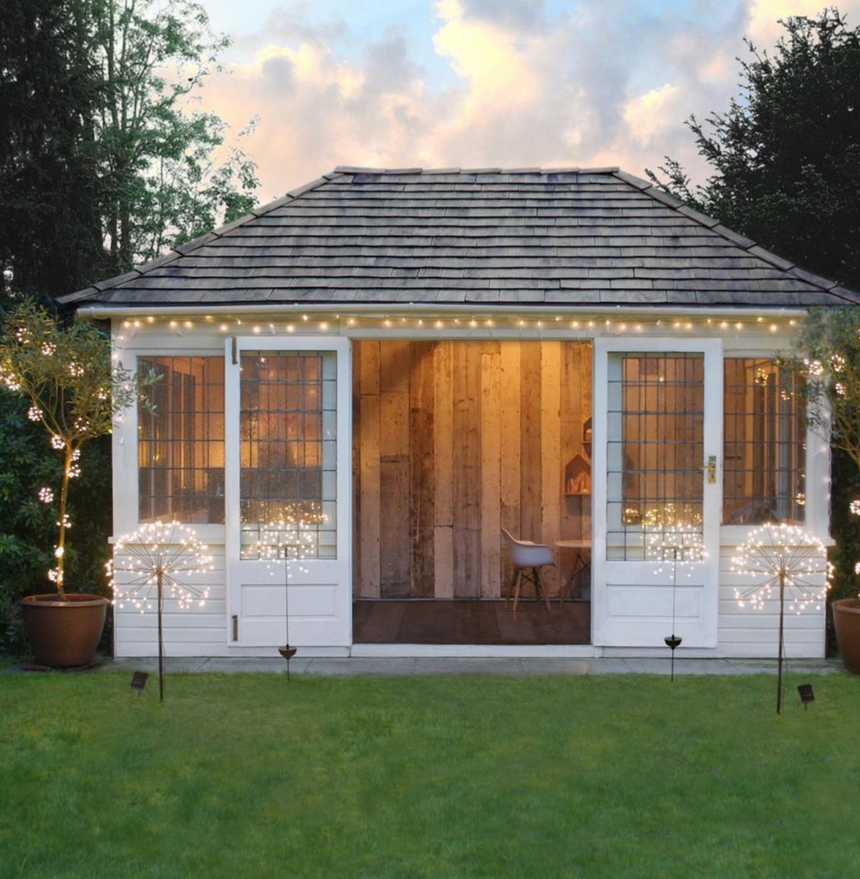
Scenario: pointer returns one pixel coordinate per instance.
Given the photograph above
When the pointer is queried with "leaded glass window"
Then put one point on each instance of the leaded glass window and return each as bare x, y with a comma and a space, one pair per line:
181, 441
764, 443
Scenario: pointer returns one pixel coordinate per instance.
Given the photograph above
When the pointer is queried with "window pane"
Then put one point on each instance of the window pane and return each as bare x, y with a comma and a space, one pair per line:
287, 438
655, 449
181, 441
765, 444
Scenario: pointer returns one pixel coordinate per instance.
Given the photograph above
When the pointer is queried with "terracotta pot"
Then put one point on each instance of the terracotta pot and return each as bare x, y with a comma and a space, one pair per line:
846, 619
63, 634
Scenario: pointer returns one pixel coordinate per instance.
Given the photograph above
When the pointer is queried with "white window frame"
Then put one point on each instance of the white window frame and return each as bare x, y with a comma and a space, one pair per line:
125, 448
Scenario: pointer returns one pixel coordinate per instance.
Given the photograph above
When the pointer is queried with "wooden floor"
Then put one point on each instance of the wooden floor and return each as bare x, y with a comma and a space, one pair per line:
438, 621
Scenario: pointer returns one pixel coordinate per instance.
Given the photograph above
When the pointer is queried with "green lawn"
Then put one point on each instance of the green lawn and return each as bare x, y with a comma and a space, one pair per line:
605, 776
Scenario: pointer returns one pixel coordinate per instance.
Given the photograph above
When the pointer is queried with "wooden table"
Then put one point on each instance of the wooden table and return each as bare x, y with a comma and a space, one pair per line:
579, 565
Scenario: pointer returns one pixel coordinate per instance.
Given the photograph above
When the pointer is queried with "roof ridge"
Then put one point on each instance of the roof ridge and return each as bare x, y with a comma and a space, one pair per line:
737, 239
360, 169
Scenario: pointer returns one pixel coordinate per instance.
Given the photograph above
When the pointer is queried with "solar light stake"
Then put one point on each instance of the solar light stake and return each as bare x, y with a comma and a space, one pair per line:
160, 583
781, 640
787, 558
159, 554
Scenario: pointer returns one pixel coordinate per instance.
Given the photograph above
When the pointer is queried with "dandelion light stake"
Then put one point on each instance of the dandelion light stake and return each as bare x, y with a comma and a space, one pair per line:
676, 544
159, 556
289, 541
782, 559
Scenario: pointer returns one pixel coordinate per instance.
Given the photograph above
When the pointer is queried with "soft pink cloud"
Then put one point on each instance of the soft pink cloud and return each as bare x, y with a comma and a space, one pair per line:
596, 86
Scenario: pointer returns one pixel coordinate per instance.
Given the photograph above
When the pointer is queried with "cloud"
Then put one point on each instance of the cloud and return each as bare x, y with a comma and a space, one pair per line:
528, 83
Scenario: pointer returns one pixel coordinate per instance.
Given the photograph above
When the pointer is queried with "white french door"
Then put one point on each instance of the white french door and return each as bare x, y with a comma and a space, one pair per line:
657, 473
287, 432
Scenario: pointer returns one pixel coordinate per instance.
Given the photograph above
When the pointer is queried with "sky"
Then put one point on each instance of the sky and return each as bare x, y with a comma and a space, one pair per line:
477, 83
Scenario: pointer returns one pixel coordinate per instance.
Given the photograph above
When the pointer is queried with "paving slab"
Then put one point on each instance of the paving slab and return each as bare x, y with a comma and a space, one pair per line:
239, 664
150, 664
555, 666
607, 666
361, 666
654, 666
449, 665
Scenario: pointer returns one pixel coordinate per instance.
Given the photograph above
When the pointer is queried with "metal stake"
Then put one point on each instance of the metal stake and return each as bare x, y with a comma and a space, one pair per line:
160, 580
781, 641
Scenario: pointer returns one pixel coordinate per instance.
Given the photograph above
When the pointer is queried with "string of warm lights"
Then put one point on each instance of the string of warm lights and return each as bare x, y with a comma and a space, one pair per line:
429, 322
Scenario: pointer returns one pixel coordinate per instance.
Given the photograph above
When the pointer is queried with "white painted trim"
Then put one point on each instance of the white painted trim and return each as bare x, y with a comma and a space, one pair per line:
712, 351
339, 568
419, 308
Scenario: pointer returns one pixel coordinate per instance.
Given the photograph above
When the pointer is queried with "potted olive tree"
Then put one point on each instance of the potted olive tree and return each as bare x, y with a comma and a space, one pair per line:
74, 390
830, 346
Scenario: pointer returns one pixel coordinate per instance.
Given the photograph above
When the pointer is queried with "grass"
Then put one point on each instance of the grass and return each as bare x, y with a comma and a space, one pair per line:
248, 776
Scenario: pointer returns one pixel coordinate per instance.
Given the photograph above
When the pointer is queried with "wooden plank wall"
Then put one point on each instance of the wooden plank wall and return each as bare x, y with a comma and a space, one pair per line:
453, 441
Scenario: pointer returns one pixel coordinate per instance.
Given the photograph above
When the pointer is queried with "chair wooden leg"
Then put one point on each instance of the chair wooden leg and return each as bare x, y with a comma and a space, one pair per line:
540, 589
518, 583
511, 584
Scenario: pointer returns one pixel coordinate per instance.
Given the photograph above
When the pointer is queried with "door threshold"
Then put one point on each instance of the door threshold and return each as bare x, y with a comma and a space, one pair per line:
479, 651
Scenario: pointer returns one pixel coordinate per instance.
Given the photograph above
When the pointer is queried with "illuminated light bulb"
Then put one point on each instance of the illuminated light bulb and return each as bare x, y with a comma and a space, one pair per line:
386, 323
137, 323
773, 328
290, 328
350, 322
574, 325
792, 323
150, 319
724, 324
623, 328
638, 328
420, 322
256, 329
540, 323
172, 323
473, 323
223, 328
759, 319
439, 324
456, 320
522, 323
126, 324
403, 320
739, 326
208, 317
591, 324
688, 326
304, 317
676, 325
489, 321
189, 324
558, 319
324, 325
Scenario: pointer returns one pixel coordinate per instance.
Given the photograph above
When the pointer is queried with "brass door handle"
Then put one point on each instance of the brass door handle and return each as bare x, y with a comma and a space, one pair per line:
711, 468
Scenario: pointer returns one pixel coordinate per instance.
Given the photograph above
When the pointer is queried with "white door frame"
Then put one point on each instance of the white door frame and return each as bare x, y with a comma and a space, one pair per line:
330, 626
609, 632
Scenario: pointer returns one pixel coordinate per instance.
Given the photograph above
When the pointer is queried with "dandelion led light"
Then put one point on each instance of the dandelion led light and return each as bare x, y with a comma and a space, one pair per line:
782, 559
289, 541
678, 544
158, 557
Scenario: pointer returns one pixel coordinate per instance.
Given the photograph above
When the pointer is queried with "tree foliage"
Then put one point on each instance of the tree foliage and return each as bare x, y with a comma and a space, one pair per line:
74, 391
786, 154
106, 159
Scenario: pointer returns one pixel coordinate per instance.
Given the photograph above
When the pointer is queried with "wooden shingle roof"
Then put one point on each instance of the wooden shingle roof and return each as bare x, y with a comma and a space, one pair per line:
565, 236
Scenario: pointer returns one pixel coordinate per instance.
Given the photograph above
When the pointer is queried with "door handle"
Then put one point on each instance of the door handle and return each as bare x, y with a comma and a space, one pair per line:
711, 468
235, 619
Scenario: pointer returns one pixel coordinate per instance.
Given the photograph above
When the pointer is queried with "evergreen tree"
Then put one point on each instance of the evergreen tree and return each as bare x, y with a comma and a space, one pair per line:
786, 154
